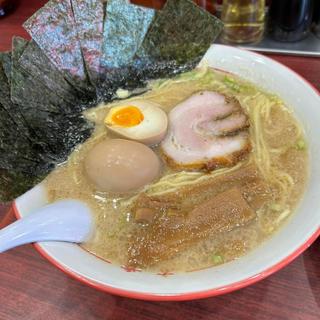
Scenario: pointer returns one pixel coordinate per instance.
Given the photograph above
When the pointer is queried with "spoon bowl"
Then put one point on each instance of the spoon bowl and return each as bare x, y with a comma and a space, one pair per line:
66, 220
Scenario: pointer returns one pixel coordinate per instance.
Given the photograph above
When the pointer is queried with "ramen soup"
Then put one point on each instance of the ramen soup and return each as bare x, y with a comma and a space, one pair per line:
194, 173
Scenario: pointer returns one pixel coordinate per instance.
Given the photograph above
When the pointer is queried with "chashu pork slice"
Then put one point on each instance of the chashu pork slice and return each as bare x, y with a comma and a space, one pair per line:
206, 131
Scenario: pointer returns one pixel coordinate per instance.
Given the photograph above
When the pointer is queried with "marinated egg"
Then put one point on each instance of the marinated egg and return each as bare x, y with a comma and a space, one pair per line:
139, 120
119, 165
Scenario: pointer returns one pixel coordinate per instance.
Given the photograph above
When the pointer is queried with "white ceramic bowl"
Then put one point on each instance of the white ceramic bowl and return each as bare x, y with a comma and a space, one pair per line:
283, 247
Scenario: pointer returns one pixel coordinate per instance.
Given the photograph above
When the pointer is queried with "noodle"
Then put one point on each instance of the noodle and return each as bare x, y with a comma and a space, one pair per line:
173, 182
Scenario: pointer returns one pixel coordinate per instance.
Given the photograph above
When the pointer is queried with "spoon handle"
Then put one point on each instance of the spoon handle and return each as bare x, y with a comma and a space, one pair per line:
67, 220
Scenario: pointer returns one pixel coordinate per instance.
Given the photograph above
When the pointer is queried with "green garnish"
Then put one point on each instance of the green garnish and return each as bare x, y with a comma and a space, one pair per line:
301, 145
275, 207
274, 98
217, 259
231, 83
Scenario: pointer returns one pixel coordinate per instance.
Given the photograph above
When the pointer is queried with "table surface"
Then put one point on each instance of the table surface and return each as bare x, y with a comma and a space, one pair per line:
31, 288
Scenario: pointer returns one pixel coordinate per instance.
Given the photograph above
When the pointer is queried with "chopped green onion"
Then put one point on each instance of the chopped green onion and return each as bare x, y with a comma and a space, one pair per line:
301, 145
231, 83
274, 98
275, 207
217, 259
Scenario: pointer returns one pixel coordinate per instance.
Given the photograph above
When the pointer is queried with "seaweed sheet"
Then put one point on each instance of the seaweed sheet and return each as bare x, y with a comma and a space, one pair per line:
181, 32
34, 62
21, 161
5, 60
173, 41
12, 110
18, 46
46, 113
57, 124
16, 147
28, 91
124, 30
35, 81
54, 30
14, 184
89, 17
18, 141
50, 76
61, 133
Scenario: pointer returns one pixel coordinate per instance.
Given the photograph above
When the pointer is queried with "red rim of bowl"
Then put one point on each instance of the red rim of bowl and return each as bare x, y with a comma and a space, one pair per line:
188, 295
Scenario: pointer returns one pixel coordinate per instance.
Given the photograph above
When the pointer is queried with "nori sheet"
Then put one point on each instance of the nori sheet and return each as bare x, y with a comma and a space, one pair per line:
89, 18
124, 30
15, 183
5, 100
5, 60
21, 162
18, 150
54, 30
35, 81
28, 91
61, 133
174, 41
36, 134
35, 63
181, 32
18, 46
16, 147
45, 112
51, 76
17, 137
12, 109
39, 86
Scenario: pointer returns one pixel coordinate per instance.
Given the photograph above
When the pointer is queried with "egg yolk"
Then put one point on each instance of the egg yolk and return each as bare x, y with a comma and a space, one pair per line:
127, 117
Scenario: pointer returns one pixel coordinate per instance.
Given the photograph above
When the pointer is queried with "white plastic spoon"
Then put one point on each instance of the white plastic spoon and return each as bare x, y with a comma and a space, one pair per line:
66, 220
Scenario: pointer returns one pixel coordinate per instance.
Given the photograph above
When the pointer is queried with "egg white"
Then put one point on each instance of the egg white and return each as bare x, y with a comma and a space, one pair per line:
151, 130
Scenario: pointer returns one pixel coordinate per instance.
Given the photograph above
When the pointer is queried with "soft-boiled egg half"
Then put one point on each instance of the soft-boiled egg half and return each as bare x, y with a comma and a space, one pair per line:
138, 120
119, 165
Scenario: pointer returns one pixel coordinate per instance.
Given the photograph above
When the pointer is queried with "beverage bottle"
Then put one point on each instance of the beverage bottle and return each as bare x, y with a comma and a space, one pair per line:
290, 20
316, 18
244, 20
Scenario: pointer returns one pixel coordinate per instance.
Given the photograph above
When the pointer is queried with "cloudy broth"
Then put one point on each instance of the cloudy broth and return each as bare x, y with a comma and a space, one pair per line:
112, 213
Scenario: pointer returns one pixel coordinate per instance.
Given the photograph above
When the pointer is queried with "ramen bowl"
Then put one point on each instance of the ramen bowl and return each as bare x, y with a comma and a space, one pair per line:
286, 244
